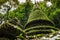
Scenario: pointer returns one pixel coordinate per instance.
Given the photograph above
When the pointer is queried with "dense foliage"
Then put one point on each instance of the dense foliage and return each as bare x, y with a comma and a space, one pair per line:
25, 15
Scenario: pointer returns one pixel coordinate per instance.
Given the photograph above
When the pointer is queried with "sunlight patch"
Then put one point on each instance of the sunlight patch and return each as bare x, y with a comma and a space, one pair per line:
48, 4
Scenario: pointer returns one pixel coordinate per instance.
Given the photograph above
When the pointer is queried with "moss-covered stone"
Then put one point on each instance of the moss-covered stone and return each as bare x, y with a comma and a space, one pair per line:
39, 23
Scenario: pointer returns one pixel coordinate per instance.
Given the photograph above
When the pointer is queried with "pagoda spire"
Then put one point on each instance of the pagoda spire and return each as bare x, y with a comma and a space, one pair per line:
38, 23
36, 6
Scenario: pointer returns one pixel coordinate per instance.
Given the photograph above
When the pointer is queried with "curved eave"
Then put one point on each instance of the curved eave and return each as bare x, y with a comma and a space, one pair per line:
8, 30
41, 28
34, 32
38, 21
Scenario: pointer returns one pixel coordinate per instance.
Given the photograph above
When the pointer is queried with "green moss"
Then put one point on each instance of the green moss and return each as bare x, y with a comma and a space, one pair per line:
38, 14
